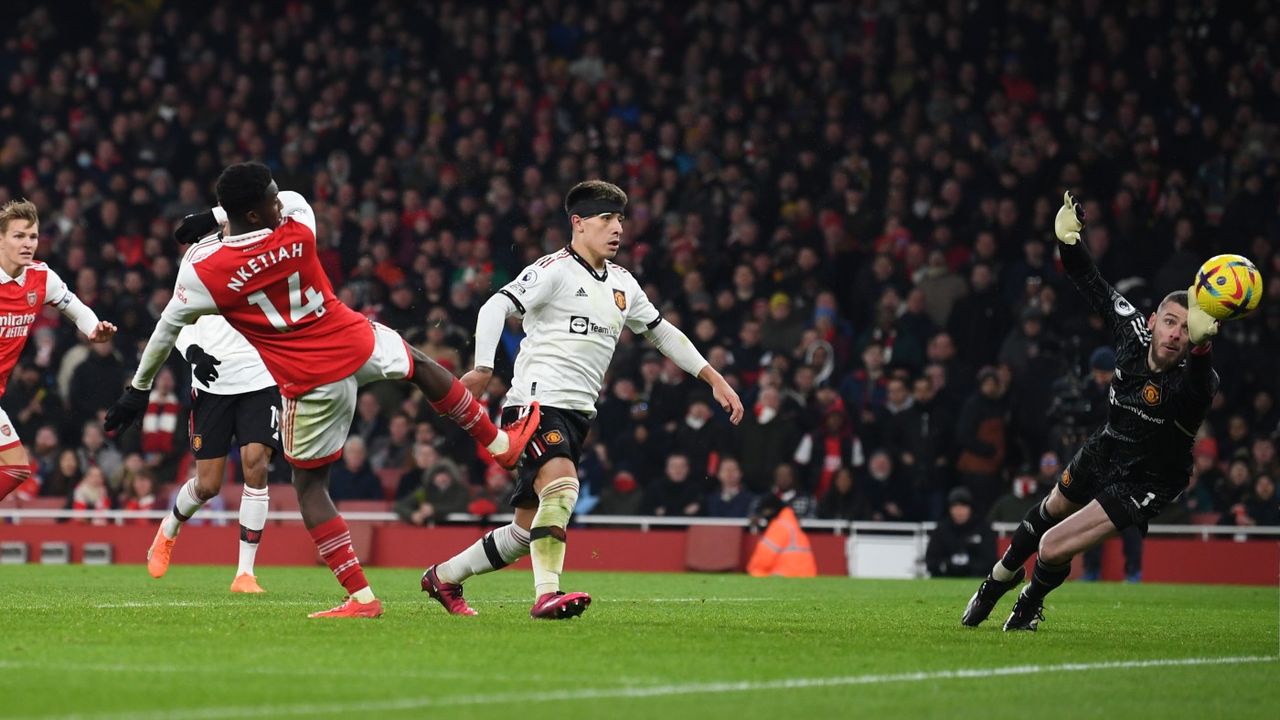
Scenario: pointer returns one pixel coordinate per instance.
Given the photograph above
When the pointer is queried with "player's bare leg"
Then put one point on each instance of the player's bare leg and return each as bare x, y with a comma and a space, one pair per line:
333, 540
557, 489
1079, 532
450, 398
15, 468
254, 460
1010, 569
192, 496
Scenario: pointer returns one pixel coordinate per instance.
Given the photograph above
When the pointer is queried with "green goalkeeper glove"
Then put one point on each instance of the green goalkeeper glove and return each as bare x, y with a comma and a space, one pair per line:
1200, 325
1069, 221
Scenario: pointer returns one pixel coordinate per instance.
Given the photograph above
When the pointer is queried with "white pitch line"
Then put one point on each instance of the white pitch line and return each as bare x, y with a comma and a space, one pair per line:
702, 688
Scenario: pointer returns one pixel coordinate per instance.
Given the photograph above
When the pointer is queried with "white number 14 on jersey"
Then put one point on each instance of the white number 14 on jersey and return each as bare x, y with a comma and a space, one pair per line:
297, 311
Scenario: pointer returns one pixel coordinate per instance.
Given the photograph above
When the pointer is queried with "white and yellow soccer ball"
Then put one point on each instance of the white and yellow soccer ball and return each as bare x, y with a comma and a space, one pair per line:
1228, 287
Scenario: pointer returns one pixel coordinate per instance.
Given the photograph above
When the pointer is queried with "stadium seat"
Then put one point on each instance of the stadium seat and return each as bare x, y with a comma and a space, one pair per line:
1205, 518
348, 506
390, 479
283, 499
42, 503
231, 493
713, 548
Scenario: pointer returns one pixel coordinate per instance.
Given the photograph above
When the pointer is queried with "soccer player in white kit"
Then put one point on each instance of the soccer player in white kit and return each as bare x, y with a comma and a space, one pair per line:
232, 396
575, 304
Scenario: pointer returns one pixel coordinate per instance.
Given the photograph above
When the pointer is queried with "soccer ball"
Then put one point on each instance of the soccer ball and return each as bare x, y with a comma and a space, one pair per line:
1228, 287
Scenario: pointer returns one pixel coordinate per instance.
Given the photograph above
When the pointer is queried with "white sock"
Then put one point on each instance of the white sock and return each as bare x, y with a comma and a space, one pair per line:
496, 550
500, 443
184, 506
253, 518
1001, 573
364, 595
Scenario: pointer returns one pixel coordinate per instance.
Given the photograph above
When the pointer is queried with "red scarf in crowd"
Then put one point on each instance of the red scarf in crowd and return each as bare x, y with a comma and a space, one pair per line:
159, 423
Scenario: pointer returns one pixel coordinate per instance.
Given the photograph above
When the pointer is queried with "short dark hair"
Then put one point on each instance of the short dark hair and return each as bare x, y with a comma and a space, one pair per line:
242, 187
1177, 296
594, 190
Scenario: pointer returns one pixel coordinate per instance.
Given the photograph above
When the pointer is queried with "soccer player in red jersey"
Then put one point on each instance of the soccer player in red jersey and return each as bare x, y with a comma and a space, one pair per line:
26, 285
265, 278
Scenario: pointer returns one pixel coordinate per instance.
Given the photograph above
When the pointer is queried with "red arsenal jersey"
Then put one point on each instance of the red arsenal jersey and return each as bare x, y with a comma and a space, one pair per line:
20, 301
269, 286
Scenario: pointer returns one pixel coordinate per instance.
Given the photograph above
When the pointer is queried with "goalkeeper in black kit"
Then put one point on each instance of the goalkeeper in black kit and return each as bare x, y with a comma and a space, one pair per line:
1139, 461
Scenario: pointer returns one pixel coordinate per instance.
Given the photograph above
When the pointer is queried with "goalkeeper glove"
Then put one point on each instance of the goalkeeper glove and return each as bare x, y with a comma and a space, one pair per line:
202, 364
1069, 221
1200, 325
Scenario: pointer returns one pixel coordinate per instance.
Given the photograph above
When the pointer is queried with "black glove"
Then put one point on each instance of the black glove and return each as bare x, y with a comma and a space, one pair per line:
127, 409
202, 364
195, 226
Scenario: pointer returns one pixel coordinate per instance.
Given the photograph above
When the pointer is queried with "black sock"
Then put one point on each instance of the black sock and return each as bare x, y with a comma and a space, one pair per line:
1045, 579
1026, 539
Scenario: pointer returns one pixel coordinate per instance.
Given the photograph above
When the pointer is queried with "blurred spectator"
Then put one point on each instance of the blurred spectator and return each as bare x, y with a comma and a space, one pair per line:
822, 452
1261, 508
1231, 491
64, 477
961, 545
1262, 453
140, 494
920, 439
44, 456
426, 460
1205, 477
351, 478
395, 450
765, 440
676, 494
886, 494
91, 493
96, 382
730, 499
97, 451
1027, 492
622, 496
981, 441
786, 486
700, 438
442, 494
369, 424
845, 500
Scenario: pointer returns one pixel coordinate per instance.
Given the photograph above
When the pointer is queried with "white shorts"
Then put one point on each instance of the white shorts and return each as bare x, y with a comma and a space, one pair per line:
317, 422
8, 433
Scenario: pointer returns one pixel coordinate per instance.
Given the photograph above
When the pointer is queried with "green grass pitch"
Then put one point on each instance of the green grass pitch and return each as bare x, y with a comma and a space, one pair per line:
109, 642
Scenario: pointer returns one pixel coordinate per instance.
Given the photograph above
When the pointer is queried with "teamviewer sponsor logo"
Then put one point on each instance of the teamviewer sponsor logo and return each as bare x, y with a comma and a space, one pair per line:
578, 325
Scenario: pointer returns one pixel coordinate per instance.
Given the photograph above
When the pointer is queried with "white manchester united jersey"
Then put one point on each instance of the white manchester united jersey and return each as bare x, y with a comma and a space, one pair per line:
241, 369
573, 316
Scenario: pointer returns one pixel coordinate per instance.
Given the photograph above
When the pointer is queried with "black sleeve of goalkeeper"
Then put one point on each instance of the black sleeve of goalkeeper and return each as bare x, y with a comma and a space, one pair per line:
1104, 299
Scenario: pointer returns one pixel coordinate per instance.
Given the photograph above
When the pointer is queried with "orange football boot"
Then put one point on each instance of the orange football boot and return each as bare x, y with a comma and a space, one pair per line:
159, 554
246, 583
350, 608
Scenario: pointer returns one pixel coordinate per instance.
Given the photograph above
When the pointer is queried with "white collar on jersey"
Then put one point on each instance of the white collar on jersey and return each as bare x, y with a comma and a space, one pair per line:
6, 278
248, 238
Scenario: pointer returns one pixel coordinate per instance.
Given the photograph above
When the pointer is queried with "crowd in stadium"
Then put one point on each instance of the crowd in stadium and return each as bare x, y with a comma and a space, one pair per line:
847, 206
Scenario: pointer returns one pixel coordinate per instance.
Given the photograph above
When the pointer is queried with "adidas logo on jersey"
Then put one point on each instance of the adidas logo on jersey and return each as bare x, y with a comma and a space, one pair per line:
580, 293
